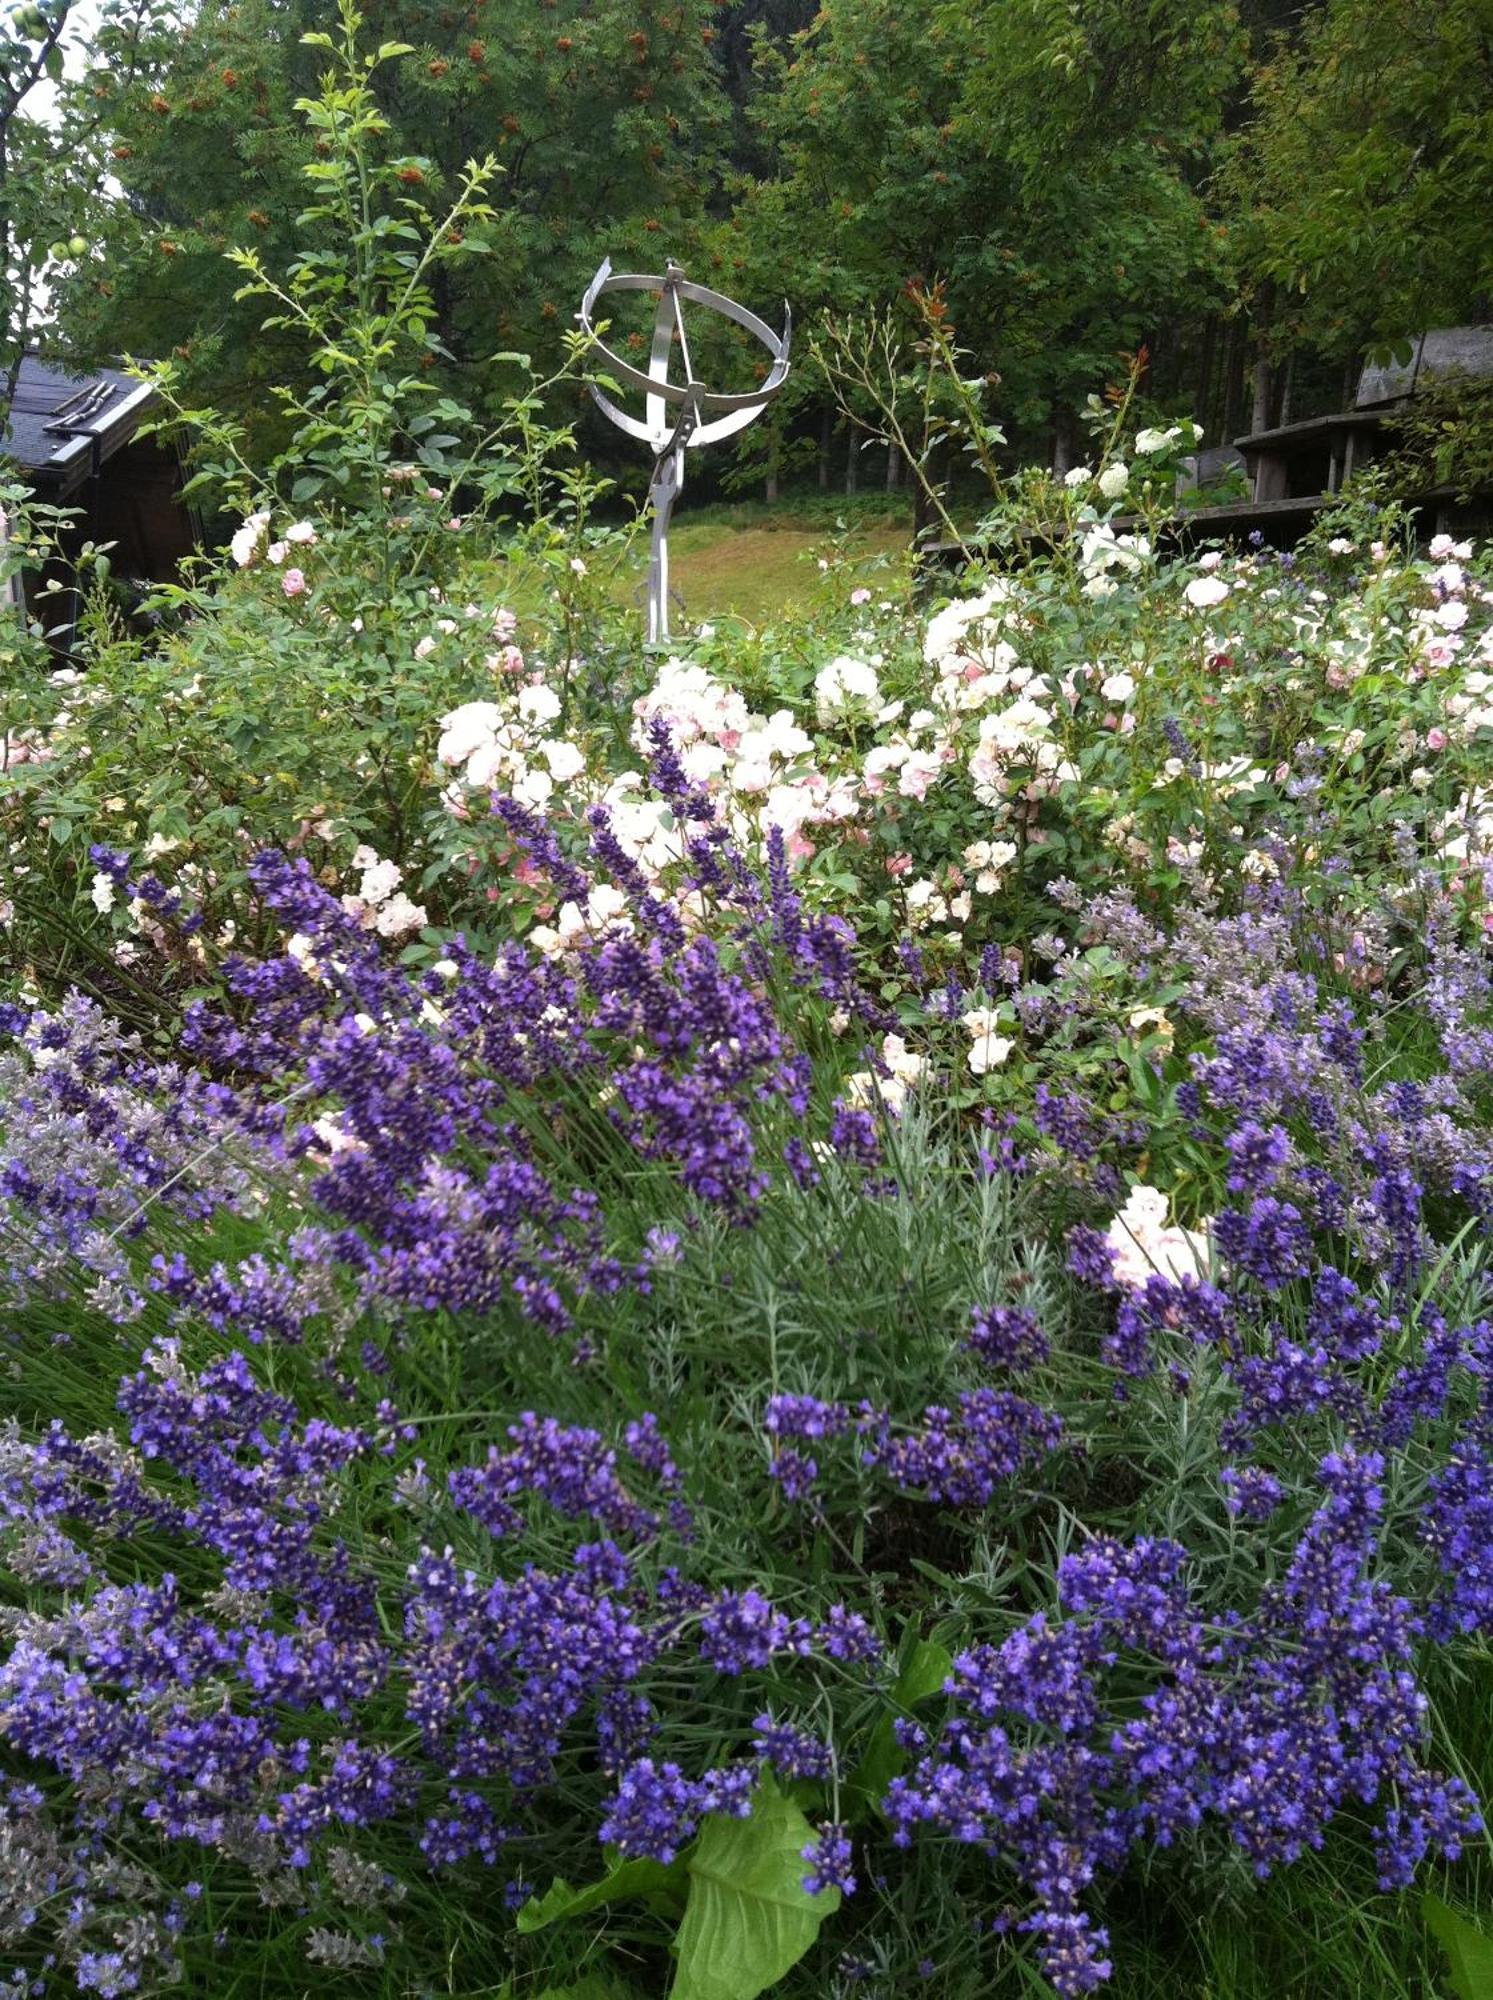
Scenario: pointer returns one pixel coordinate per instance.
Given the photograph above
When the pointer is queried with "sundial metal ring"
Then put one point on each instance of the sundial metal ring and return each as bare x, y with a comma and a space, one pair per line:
677, 416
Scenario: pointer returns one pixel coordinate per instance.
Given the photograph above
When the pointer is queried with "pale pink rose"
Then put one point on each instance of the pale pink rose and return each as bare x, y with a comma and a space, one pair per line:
860, 597
293, 583
504, 624
454, 524
1435, 739
899, 864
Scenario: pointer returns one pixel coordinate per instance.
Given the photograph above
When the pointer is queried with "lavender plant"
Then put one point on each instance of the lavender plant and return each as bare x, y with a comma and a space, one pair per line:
823, 1530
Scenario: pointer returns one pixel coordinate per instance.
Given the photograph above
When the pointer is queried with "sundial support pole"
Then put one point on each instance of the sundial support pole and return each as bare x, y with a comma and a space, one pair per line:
663, 490
677, 415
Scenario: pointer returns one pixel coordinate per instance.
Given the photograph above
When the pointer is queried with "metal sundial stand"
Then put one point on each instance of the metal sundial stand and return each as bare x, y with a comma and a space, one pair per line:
677, 415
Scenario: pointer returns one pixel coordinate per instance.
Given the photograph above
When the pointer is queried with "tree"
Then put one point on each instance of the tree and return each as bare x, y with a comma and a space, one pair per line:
1360, 187
54, 91
602, 114
1049, 175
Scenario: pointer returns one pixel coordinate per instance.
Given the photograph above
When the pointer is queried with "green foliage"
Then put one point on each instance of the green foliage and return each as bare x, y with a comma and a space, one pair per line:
1469, 1950
926, 1666
1025, 169
1443, 437
601, 118
1359, 186
59, 65
650, 1880
748, 1918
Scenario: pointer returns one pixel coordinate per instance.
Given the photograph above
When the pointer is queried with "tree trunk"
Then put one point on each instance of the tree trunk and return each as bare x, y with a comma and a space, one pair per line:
826, 438
1064, 442
893, 469
853, 462
1205, 402
770, 487
1233, 381
1264, 376
1287, 383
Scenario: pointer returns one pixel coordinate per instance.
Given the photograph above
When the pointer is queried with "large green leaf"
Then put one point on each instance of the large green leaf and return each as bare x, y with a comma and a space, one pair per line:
1469, 1950
630, 1878
749, 1917
592, 1987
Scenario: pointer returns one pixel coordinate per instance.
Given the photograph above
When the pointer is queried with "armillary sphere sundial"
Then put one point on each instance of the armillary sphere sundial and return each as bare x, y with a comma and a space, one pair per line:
677, 415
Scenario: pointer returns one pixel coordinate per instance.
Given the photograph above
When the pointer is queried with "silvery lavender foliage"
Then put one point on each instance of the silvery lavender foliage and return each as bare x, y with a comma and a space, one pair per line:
69, 1898
99, 1143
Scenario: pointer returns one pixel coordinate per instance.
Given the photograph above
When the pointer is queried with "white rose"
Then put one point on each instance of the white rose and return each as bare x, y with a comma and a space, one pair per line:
1145, 1243
465, 728
244, 544
538, 704
534, 788
380, 881
564, 760
989, 1048
1205, 591
605, 904
399, 915
1114, 479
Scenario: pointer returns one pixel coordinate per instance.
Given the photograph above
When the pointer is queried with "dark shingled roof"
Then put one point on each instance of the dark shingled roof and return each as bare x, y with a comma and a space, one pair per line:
63, 426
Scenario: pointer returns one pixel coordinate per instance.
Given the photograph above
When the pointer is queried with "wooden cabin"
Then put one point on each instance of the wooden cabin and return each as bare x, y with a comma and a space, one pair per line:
1297, 469
74, 441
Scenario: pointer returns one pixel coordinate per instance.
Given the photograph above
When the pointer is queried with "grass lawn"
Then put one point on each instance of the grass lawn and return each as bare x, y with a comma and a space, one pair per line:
755, 562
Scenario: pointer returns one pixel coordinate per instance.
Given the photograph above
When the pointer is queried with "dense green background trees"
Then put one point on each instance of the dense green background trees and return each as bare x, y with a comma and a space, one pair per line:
1255, 192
